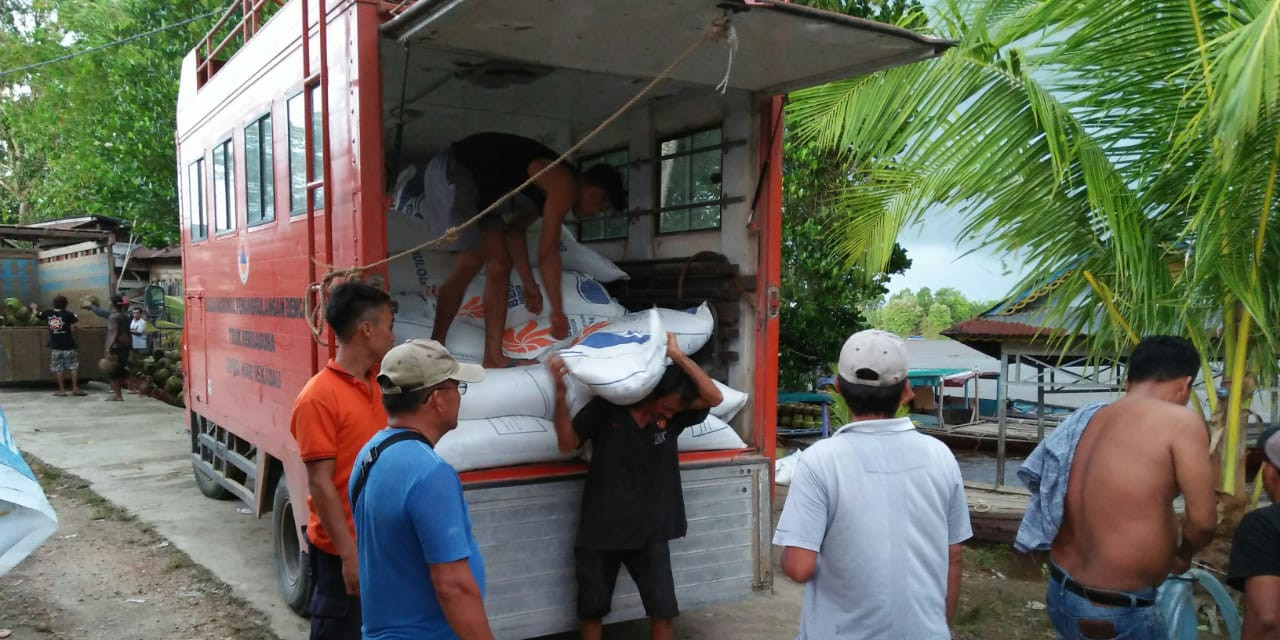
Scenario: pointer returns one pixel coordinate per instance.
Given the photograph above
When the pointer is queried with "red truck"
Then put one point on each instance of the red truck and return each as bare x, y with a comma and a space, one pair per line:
294, 117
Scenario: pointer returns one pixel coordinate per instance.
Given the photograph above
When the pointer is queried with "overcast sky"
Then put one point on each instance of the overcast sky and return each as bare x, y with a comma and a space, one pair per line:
937, 262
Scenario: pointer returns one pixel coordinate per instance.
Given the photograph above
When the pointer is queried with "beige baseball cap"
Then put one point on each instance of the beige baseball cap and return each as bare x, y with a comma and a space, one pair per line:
418, 364
880, 356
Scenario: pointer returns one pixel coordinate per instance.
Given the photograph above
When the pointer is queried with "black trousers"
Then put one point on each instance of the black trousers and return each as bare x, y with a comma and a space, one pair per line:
334, 614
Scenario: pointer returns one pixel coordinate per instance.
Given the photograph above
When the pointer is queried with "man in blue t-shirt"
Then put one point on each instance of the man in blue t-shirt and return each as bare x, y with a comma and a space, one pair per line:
421, 574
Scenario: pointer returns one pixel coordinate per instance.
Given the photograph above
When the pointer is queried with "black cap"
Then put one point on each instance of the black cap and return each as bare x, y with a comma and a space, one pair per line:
117, 299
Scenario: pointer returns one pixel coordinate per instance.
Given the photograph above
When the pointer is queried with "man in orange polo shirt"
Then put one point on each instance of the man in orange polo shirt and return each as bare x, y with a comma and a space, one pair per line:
336, 413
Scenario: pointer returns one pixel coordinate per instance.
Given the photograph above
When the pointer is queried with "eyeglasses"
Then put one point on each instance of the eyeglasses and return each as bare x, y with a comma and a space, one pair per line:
460, 386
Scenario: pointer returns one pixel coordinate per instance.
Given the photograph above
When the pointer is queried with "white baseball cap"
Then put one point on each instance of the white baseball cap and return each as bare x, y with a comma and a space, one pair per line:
418, 364
874, 358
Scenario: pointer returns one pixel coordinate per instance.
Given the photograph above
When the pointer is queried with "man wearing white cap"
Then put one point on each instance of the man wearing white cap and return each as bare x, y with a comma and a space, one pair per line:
1255, 551
421, 574
876, 513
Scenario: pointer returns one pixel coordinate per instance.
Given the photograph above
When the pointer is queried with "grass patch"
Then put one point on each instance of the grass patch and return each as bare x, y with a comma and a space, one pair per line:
55, 480
999, 606
990, 558
178, 561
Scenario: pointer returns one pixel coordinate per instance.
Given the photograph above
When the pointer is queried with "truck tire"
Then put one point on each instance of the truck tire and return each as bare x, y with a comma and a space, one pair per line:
208, 484
205, 481
293, 566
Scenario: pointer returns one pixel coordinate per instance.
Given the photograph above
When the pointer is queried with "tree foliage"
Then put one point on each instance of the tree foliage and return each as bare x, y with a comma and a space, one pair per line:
93, 134
925, 312
1131, 148
825, 297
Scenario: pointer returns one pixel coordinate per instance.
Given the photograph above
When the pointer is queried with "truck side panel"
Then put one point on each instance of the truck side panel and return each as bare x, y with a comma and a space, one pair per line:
526, 534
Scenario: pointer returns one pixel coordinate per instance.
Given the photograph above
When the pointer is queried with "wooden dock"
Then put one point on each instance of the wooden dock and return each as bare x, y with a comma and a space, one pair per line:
1020, 437
995, 512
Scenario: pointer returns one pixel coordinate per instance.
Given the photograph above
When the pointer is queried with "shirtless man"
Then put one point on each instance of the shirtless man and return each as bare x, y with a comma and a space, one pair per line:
473, 174
1119, 535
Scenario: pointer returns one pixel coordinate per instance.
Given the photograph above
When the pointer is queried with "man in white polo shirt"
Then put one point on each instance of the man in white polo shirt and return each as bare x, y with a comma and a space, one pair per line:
876, 513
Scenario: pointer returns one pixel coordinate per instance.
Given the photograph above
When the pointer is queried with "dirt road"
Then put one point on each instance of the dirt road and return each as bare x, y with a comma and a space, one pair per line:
104, 575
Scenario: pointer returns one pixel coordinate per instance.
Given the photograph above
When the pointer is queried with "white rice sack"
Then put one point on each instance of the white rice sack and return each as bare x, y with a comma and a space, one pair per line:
713, 434
576, 257
733, 401
519, 391
415, 319
692, 327
784, 468
420, 272
580, 295
534, 339
407, 196
26, 519
621, 366
500, 442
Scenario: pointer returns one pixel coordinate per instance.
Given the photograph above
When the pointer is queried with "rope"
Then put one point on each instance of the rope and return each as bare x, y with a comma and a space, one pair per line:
719, 30
730, 43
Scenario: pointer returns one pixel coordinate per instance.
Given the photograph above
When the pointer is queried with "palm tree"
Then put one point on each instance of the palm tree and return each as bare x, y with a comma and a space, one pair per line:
1133, 142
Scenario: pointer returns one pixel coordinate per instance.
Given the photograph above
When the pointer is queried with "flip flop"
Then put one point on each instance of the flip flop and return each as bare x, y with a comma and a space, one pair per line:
113, 399
59, 395
79, 393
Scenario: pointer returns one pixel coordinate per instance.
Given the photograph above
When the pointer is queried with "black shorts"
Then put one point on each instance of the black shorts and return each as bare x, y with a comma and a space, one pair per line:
650, 569
122, 363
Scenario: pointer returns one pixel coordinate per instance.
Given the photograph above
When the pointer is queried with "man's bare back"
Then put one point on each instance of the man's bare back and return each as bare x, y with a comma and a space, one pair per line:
1119, 531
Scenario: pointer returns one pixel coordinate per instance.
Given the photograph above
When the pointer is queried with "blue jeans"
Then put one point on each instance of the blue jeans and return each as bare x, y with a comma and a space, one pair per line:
1077, 618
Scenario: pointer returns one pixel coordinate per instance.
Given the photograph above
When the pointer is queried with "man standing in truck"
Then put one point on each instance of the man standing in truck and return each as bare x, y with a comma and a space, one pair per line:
473, 174
632, 501
335, 414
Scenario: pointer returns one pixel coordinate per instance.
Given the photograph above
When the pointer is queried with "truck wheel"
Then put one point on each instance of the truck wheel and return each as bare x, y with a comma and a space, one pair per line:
293, 567
205, 481
209, 485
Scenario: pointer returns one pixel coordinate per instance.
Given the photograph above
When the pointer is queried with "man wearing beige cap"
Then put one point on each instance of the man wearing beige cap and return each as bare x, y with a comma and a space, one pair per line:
1255, 551
421, 574
876, 513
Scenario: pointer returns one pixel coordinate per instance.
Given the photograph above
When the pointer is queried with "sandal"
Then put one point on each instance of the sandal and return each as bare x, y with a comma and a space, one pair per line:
60, 394
79, 393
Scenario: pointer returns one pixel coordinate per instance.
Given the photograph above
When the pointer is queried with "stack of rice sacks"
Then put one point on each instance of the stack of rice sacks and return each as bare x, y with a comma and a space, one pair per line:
506, 419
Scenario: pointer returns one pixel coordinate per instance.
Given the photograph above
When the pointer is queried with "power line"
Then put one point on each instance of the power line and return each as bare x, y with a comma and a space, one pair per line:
108, 45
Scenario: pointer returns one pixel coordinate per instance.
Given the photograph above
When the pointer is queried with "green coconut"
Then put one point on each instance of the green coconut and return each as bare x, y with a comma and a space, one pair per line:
160, 376
22, 313
173, 386
11, 305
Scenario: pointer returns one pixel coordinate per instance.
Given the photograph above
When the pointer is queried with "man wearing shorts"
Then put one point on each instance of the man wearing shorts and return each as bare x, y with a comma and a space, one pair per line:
632, 501
473, 174
64, 357
119, 344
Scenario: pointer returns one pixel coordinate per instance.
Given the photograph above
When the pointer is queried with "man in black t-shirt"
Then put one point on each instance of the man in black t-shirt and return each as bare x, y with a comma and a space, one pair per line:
473, 174
64, 355
1255, 551
632, 502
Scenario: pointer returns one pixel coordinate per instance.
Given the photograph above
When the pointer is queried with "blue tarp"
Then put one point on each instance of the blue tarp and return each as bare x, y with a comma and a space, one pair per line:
26, 519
